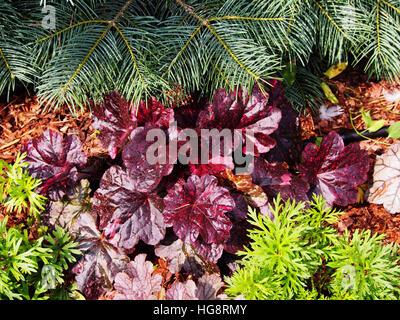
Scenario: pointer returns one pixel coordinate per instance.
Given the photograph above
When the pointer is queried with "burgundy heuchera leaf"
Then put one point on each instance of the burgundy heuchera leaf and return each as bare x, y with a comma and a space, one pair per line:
198, 207
208, 251
101, 261
144, 175
335, 171
55, 159
239, 232
127, 215
252, 116
154, 112
287, 137
137, 281
113, 119
275, 178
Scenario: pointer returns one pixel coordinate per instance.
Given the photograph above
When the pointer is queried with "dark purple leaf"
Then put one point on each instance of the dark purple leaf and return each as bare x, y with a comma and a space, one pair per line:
252, 117
277, 96
239, 237
126, 215
144, 176
240, 210
287, 137
137, 281
100, 262
210, 252
186, 116
154, 112
198, 207
55, 159
335, 171
113, 119
213, 167
274, 178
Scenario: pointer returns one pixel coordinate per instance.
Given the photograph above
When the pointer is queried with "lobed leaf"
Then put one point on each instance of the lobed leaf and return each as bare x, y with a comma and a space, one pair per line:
198, 207
335, 171
55, 160
137, 282
127, 215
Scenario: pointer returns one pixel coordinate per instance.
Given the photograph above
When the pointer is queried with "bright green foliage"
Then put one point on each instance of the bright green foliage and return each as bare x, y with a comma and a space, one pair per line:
34, 269
372, 125
17, 188
299, 255
377, 275
143, 47
394, 130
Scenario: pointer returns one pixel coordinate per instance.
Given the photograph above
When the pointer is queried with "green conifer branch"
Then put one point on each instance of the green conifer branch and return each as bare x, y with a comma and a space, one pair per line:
391, 6
6, 63
330, 18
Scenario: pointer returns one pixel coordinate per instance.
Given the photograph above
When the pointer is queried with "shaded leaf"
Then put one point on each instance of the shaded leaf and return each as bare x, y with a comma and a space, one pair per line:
275, 178
287, 137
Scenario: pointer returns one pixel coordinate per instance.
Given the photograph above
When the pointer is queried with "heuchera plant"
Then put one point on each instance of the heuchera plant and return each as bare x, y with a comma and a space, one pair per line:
56, 160
204, 206
335, 170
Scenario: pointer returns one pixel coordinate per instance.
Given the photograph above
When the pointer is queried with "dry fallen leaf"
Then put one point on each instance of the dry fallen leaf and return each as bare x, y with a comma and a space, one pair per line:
386, 186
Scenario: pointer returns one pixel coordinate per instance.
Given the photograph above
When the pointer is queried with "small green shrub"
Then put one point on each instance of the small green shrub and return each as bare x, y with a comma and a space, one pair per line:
34, 269
299, 255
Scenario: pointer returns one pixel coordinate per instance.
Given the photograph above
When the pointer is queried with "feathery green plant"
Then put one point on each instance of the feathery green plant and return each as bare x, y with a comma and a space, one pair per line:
299, 255
17, 188
142, 48
33, 269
